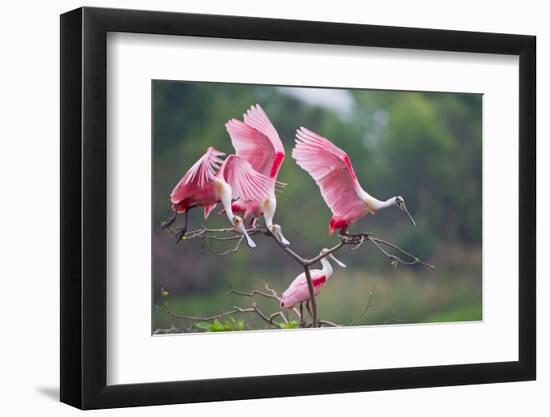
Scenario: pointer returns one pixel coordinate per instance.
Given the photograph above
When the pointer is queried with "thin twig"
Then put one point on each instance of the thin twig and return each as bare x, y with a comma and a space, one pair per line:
255, 309
328, 323
227, 251
325, 253
392, 318
236, 310
415, 259
271, 294
199, 318
365, 308
251, 293
359, 244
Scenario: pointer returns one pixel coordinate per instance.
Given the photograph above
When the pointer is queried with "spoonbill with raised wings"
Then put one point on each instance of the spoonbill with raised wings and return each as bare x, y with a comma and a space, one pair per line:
331, 169
203, 187
256, 140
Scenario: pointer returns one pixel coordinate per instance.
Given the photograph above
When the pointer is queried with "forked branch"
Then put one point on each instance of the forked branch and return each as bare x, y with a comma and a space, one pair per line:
394, 253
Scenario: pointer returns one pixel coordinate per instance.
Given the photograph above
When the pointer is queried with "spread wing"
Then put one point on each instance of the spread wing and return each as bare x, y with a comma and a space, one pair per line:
331, 169
200, 174
257, 141
246, 183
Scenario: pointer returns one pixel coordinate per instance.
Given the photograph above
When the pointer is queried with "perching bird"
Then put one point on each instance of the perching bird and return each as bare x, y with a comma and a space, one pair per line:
331, 169
298, 291
256, 140
203, 187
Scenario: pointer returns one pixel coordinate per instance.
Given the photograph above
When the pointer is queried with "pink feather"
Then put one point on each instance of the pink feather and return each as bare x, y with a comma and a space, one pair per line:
257, 141
198, 176
331, 169
247, 183
298, 290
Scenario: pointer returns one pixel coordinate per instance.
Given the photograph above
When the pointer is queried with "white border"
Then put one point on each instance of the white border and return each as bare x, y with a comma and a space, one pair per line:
134, 356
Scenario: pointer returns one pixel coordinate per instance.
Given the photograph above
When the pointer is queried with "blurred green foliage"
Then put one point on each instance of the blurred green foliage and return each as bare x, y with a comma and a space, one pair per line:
426, 147
230, 325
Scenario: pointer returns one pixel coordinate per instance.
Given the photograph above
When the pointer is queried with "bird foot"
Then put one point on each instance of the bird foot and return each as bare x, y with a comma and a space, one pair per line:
168, 222
354, 235
180, 234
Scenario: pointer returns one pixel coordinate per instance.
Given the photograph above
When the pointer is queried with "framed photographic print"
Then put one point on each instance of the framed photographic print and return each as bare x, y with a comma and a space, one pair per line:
257, 208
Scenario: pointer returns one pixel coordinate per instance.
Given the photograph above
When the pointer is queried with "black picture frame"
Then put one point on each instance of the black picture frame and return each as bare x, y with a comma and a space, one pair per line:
84, 207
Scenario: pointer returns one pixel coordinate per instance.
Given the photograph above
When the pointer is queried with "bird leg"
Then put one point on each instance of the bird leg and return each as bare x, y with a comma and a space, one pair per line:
252, 223
301, 314
169, 221
180, 233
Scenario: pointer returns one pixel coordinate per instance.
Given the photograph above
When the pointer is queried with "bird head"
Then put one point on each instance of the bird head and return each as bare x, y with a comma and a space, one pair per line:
239, 227
341, 264
400, 202
278, 233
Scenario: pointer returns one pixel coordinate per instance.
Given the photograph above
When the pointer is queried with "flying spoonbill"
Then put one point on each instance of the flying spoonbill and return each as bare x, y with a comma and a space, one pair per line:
331, 169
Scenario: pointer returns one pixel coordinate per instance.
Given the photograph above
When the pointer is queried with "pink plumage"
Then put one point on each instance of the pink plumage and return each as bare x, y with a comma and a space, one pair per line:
246, 183
298, 291
256, 140
331, 169
197, 179
200, 186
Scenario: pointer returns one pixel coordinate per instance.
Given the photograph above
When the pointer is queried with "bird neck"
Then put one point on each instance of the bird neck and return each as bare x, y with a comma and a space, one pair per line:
327, 268
224, 193
269, 205
374, 204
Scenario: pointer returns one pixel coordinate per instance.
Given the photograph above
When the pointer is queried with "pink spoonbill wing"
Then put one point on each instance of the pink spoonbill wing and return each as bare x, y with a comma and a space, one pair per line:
200, 174
331, 169
246, 183
257, 141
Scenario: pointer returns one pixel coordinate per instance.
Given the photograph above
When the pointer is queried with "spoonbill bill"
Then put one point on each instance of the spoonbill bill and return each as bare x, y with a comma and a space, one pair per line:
256, 140
298, 291
331, 169
203, 187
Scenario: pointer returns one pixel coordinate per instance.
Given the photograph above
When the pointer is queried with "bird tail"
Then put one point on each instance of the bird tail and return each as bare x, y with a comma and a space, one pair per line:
334, 224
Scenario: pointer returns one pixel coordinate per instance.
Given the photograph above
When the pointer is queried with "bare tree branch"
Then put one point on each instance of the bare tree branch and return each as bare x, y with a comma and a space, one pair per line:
236, 310
251, 293
228, 251
325, 254
271, 294
255, 309
199, 318
311, 296
355, 240
415, 260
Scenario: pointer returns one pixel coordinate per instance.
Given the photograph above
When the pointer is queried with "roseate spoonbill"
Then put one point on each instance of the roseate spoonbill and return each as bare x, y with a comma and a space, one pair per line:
203, 187
256, 140
298, 291
331, 169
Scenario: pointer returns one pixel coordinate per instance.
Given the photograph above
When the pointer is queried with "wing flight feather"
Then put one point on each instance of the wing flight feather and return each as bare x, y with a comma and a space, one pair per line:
331, 169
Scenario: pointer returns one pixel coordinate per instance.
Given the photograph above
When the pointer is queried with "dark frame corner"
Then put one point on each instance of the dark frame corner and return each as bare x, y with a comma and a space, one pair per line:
83, 207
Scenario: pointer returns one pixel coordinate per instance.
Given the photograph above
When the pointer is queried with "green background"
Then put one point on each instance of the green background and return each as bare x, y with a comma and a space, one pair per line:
426, 147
